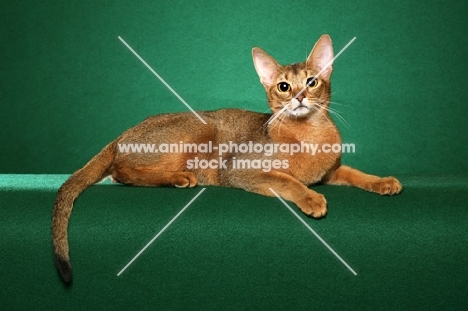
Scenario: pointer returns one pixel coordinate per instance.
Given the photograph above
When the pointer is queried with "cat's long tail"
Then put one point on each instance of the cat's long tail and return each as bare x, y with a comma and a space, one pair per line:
95, 170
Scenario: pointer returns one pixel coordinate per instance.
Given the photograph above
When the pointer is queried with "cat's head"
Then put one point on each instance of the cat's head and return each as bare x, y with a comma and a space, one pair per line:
296, 90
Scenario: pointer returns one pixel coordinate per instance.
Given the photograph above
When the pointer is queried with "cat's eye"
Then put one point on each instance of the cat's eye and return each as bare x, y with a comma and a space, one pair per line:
283, 87
312, 82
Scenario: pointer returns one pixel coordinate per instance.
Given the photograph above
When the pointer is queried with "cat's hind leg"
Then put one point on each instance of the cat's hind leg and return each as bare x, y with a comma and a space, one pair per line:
345, 175
153, 176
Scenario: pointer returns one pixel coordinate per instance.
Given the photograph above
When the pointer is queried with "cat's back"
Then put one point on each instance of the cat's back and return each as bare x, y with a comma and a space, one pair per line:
230, 123
236, 118
237, 124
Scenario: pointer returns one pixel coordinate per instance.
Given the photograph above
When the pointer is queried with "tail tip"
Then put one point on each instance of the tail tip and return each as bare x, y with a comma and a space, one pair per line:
64, 269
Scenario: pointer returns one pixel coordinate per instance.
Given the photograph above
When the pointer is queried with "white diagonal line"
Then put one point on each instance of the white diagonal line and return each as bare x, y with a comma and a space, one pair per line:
326, 66
313, 231
160, 232
318, 74
162, 80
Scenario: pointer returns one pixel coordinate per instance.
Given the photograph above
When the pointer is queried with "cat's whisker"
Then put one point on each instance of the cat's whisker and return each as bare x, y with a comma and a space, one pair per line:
279, 125
325, 104
269, 121
264, 126
267, 126
343, 120
322, 101
329, 108
339, 104
317, 107
278, 119
276, 115
335, 113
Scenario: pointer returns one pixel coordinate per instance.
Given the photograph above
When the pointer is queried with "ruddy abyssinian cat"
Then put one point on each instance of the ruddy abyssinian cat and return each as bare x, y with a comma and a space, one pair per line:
299, 103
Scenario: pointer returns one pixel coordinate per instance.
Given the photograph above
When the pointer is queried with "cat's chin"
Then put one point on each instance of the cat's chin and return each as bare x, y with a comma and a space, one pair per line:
299, 112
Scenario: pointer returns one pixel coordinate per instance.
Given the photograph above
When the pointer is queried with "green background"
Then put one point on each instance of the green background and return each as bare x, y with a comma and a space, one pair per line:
69, 86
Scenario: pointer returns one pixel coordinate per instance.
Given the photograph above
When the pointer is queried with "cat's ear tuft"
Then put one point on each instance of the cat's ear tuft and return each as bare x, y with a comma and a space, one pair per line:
322, 56
265, 65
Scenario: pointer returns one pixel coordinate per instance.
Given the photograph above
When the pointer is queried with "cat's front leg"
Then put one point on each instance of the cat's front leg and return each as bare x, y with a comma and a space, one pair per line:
313, 204
345, 175
310, 202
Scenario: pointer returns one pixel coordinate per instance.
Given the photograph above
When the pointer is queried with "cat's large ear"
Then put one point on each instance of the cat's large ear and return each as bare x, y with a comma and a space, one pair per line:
265, 65
321, 56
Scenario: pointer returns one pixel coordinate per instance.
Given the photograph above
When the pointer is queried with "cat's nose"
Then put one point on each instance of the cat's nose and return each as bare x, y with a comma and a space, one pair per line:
300, 98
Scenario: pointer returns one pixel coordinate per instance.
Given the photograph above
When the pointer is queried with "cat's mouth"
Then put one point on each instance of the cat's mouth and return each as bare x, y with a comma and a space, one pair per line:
301, 106
300, 110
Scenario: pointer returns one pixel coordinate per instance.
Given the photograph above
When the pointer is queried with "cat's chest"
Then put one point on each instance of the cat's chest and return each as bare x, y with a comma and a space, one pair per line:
312, 165
318, 136
316, 153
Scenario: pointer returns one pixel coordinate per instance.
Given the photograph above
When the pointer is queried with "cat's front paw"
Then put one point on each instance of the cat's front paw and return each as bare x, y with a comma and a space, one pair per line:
387, 186
315, 205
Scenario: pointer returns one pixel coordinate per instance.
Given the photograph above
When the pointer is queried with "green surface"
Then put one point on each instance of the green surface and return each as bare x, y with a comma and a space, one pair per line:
69, 86
234, 250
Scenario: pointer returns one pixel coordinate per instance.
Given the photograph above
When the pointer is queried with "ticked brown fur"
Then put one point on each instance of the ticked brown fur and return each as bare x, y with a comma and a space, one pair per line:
300, 114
